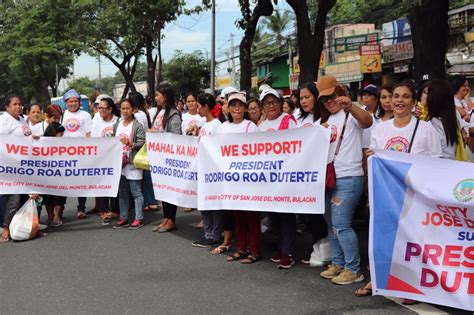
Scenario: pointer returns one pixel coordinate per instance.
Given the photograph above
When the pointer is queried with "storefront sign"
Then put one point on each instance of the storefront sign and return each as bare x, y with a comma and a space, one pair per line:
370, 59
398, 52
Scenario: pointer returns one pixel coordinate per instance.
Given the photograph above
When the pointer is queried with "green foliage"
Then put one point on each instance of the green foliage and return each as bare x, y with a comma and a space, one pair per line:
277, 23
187, 72
37, 42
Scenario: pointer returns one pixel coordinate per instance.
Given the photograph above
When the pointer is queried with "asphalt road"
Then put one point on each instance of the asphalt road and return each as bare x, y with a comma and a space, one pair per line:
83, 267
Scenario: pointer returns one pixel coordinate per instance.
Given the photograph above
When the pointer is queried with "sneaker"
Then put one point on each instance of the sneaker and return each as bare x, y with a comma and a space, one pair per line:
276, 258
332, 272
121, 224
42, 227
203, 243
136, 224
348, 277
306, 257
286, 262
81, 215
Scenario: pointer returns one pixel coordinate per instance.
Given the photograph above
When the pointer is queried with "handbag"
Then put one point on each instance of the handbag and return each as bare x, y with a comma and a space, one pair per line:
330, 169
141, 159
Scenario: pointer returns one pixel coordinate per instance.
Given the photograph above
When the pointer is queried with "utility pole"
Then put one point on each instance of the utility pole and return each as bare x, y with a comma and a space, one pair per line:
213, 48
232, 60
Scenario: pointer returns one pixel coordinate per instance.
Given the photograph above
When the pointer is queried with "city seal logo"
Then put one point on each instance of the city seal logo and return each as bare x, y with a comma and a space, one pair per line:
464, 190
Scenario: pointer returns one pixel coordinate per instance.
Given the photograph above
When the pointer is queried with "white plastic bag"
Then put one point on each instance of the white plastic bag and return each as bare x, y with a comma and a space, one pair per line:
24, 224
321, 254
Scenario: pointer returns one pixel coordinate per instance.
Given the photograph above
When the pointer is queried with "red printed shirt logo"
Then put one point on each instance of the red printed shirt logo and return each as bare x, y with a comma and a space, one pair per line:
107, 132
126, 137
398, 144
72, 125
26, 130
333, 133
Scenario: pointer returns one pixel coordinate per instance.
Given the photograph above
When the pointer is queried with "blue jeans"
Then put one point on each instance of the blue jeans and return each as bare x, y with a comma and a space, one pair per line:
125, 188
341, 204
147, 188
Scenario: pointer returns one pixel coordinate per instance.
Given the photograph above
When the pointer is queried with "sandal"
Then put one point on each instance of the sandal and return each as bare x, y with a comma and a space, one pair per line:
220, 249
4, 239
250, 259
364, 291
237, 256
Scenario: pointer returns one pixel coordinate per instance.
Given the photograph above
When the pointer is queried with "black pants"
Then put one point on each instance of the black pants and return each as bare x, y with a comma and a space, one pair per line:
3, 203
317, 225
284, 225
108, 204
228, 220
14, 202
81, 206
169, 210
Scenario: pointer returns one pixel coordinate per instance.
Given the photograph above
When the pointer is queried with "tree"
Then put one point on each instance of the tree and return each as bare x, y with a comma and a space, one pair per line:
310, 39
37, 45
429, 31
187, 72
277, 23
249, 22
110, 31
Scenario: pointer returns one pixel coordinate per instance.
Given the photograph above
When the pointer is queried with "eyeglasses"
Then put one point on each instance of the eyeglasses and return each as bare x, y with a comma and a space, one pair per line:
327, 99
103, 108
271, 103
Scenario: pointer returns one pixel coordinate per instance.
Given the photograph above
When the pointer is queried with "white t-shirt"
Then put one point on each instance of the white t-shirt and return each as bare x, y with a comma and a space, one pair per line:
39, 129
190, 120
210, 128
77, 124
447, 151
461, 103
158, 123
297, 113
307, 121
367, 133
103, 129
388, 137
11, 126
272, 125
129, 171
243, 127
349, 159
142, 119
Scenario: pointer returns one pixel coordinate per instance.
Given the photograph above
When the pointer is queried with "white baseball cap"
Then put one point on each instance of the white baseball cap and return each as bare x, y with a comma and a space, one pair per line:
100, 97
267, 92
228, 90
238, 96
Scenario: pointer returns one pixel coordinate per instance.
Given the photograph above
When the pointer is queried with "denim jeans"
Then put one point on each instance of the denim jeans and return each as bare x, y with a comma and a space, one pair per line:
147, 188
341, 204
212, 220
135, 188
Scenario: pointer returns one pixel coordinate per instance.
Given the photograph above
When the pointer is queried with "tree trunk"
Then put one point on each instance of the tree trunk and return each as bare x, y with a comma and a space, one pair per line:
310, 44
429, 32
263, 8
151, 68
159, 62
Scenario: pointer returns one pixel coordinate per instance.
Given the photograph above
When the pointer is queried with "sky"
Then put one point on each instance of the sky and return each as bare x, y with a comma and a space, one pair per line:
188, 33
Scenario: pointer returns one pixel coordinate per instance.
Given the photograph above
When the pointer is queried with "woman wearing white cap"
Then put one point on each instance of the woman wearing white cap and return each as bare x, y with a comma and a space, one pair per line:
347, 123
283, 223
78, 123
247, 223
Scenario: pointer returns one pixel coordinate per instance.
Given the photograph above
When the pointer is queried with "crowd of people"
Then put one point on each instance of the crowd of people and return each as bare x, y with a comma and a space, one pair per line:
433, 117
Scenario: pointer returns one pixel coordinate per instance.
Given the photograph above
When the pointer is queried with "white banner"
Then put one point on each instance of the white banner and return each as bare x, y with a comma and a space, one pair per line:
173, 167
69, 167
280, 171
422, 228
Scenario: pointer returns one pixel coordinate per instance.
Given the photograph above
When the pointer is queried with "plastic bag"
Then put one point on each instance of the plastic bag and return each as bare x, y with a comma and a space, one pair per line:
321, 254
141, 159
24, 224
